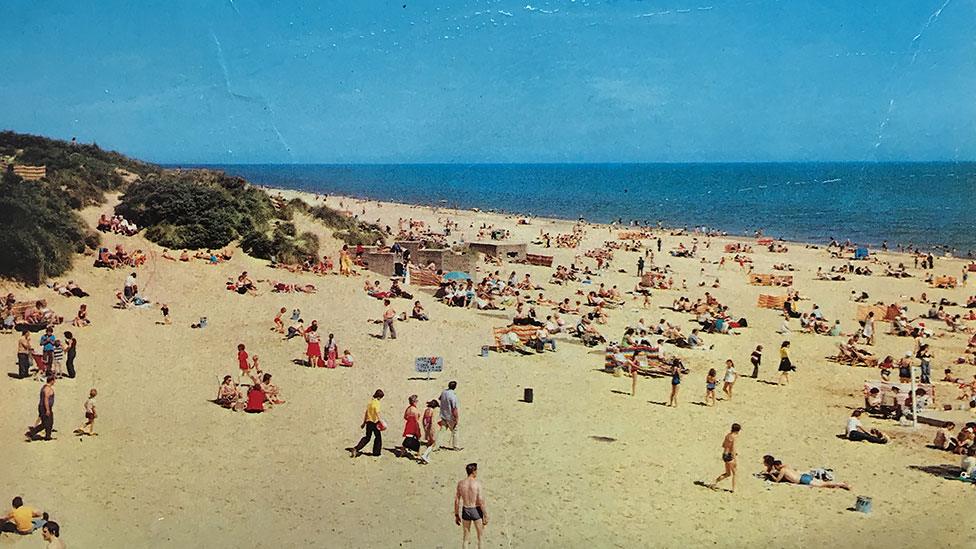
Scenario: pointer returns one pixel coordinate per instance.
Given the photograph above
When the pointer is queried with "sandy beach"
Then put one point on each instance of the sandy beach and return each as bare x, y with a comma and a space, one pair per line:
585, 464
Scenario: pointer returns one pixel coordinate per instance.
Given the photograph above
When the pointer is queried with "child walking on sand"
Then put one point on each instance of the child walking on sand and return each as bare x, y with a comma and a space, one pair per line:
243, 364
90, 414
164, 308
57, 358
279, 324
710, 381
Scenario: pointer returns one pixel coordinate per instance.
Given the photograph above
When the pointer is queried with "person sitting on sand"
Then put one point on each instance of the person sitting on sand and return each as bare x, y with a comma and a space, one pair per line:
886, 366
21, 518
418, 312
784, 473
255, 399
347, 359
855, 430
228, 395
943, 437
872, 401
271, 391
968, 464
81, 319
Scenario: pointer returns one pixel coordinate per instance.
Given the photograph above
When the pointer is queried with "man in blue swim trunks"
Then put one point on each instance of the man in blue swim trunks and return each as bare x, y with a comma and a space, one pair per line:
469, 505
784, 473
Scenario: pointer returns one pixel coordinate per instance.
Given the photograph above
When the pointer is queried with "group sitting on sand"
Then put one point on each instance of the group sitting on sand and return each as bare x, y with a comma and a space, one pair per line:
116, 224
260, 391
119, 258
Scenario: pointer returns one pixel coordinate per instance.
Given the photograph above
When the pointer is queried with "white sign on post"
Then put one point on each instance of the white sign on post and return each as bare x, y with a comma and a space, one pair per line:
428, 364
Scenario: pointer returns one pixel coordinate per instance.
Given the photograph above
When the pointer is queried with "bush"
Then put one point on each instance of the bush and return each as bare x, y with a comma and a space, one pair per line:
195, 210
258, 245
347, 229
41, 233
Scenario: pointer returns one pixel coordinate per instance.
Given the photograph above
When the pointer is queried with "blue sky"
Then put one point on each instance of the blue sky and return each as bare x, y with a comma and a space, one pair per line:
229, 81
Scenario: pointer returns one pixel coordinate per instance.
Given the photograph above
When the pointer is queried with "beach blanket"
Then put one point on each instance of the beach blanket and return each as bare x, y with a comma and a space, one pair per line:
904, 389
424, 277
540, 260
764, 241
771, 301
971, 267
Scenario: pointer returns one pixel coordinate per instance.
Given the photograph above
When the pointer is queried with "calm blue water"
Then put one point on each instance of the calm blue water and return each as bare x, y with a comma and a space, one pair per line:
926, 204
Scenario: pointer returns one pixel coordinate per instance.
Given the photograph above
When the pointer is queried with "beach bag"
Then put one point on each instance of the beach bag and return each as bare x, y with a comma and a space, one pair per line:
823, 474
381, 425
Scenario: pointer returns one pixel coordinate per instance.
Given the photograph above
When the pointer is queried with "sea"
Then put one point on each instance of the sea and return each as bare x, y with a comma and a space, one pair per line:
929, 205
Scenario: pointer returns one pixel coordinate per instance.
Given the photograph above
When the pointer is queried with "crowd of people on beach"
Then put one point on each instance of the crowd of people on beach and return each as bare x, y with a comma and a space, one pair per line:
537, 319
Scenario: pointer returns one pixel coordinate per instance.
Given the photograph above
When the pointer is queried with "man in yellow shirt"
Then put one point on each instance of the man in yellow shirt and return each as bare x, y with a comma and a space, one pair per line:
371, 422
20, 519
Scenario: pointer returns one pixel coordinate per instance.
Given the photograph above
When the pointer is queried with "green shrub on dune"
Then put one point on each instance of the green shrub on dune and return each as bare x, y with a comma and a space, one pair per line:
347, 228
41, 232
180, 209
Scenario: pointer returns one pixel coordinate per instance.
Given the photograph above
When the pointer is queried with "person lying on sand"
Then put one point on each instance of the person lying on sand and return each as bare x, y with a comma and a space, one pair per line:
784, 473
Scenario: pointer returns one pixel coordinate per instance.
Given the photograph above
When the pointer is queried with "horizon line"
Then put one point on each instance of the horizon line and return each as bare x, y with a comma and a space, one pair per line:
569, 163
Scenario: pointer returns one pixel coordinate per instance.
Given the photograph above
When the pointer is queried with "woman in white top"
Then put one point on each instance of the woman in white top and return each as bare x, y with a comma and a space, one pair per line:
855, 430
730, 377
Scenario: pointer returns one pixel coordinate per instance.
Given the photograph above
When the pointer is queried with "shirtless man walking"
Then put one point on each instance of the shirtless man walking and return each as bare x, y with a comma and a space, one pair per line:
729, 453
469, 505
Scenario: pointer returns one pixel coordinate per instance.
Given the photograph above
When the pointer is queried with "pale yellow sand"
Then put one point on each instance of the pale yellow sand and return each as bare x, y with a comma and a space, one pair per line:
170, 469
